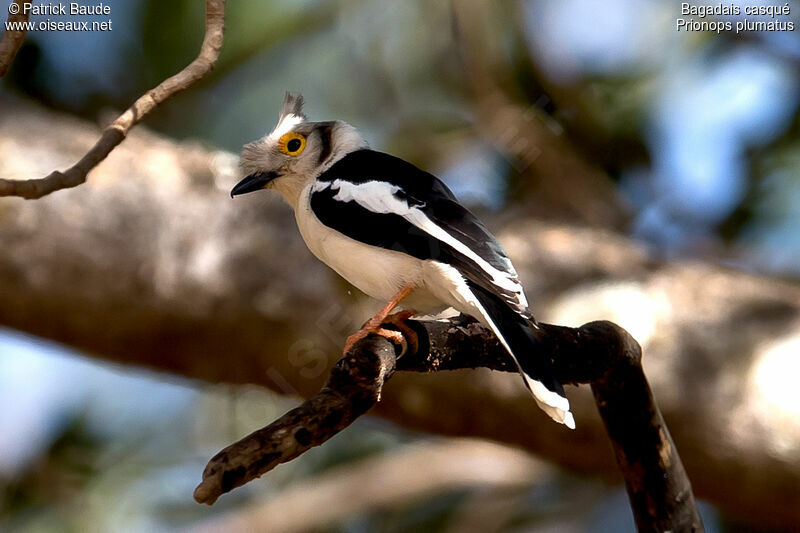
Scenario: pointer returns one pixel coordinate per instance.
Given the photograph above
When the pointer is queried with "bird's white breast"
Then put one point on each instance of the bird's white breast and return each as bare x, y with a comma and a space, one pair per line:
378, 272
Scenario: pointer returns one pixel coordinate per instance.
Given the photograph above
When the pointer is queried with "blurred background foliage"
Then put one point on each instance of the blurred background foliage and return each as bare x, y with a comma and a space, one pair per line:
695, 135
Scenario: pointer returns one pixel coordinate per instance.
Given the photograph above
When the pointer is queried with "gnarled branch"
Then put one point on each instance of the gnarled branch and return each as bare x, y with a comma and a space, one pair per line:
115, 133
600, 353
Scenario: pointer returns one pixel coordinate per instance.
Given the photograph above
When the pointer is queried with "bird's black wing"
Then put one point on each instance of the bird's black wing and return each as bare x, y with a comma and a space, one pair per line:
384, 201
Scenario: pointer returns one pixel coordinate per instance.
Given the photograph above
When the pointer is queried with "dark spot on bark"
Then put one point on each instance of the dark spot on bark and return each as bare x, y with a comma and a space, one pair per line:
265, 462
230, 477
331, 421
302, 436
362, 404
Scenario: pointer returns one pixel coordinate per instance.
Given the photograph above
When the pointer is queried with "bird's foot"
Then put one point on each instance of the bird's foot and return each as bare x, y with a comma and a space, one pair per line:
393, 336
396, 336
398, 320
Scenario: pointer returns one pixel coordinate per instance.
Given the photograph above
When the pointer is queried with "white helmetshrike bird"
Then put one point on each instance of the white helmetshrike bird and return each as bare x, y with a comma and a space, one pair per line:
397, 233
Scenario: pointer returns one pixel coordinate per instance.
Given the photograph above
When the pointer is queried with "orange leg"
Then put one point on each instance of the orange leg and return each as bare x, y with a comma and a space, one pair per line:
373, 325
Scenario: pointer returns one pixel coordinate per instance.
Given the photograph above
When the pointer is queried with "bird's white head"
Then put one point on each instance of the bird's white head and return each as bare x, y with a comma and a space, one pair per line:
295, 152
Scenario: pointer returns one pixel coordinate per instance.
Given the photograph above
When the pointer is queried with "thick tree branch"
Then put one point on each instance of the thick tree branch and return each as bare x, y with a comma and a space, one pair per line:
12, 39
600, 353
115, 133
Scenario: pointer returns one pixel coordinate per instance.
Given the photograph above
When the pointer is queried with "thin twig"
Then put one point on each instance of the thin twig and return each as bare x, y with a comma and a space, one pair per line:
118, 130
12, 39
600, 353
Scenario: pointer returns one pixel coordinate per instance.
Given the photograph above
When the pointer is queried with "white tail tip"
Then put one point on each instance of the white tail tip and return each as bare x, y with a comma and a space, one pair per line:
555, 405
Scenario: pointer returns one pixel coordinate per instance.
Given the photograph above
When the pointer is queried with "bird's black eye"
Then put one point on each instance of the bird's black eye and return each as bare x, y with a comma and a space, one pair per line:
294, 145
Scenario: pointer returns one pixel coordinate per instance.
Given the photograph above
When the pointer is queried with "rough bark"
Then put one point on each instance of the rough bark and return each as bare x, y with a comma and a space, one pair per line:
599, 353
151, 263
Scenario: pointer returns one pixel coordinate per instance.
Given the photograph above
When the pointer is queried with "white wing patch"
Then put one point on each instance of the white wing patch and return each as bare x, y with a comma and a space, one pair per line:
379, 197
375, 196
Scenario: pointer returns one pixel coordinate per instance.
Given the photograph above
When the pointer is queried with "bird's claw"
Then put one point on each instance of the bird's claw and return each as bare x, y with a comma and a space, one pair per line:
403, 335
398, 320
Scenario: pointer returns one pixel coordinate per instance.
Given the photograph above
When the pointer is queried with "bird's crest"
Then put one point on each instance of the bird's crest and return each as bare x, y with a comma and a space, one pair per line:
292, 105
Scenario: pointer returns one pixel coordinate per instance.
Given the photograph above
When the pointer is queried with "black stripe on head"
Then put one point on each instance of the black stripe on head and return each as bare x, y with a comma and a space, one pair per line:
325, 130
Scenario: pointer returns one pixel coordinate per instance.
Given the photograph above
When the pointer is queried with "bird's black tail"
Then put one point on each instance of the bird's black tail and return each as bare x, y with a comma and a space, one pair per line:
516, 333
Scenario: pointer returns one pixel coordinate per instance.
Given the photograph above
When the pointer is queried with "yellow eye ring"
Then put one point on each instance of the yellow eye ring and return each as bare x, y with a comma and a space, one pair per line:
292, 143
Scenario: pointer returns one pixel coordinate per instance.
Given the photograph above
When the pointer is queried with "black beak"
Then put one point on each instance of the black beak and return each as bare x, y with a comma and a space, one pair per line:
253, 182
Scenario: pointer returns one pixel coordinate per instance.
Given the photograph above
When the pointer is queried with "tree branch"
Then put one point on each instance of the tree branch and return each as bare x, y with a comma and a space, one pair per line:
600, 353
116, 132
12, 39
393, 478
353, 387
